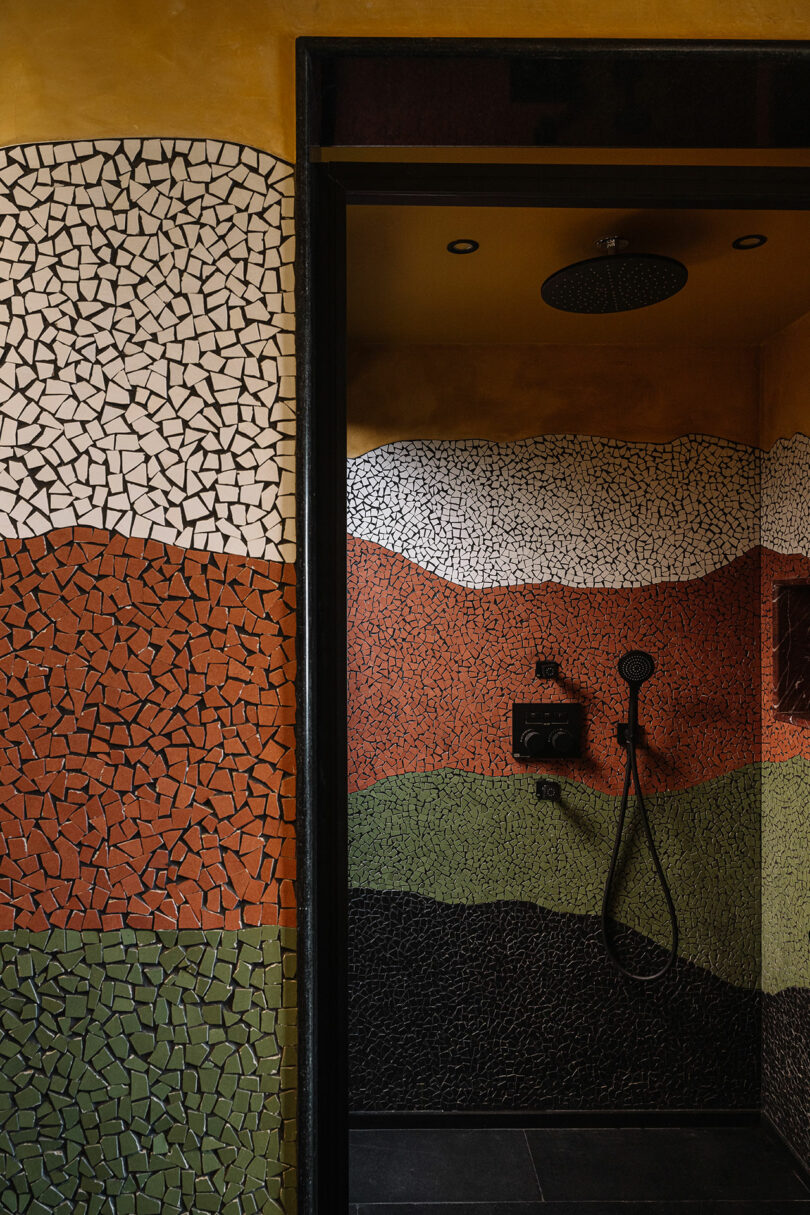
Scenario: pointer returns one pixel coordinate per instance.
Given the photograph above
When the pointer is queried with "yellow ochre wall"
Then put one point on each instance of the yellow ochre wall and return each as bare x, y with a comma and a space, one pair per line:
225, 68
641, 393
785, 374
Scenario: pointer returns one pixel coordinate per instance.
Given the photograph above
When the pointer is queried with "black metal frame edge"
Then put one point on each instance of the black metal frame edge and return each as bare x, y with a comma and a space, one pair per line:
320, 689
322, 193
337, 48
494, 185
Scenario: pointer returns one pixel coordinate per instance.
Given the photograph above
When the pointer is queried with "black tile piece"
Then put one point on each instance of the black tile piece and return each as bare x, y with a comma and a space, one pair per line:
663, 1164
512, 1006
440, 1166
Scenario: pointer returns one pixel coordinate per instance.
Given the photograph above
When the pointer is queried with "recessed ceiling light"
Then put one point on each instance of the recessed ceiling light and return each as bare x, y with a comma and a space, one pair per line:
465, 245
749, 242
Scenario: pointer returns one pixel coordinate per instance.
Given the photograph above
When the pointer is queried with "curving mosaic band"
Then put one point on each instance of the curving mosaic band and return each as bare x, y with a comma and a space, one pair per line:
572, 509
462, 838
146, 342
578, 510
786, 876
147, 1073
146, 710
434, 669
510, 1006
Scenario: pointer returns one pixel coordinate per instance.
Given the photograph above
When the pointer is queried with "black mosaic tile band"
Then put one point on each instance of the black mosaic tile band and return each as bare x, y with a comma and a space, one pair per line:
786, 1066
508, 1005
147, 1073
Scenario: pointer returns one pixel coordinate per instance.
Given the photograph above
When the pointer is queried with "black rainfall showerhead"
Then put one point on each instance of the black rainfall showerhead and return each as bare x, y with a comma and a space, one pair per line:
614, 282
636, 666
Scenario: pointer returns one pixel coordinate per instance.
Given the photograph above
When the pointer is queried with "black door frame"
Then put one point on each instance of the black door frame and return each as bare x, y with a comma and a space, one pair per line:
323, 192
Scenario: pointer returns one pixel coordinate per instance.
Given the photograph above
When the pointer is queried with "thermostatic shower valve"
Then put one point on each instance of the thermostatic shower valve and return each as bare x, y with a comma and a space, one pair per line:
546, 731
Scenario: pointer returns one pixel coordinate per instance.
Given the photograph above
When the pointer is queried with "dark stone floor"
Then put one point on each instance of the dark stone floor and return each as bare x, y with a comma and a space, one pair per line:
616, 1171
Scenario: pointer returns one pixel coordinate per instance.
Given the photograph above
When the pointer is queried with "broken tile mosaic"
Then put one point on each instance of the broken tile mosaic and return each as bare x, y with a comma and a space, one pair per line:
146, 342
785, 875
424, 650
786, 1065
572, 509
147, 1072
146, 735
511, 1006
455, 548
785, 518
462, 838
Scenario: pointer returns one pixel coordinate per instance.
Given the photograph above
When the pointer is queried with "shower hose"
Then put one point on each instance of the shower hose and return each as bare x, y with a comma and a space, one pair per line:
631, 773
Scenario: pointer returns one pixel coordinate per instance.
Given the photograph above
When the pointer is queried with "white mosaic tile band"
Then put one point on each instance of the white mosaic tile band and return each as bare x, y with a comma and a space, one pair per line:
785, 478
146, 342
570, 509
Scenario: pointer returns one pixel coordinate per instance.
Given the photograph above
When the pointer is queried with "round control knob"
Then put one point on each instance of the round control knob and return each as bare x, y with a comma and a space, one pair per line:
531, 742
562, 741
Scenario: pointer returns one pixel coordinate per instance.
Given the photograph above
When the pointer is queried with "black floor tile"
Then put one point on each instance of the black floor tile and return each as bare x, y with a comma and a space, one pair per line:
457, 1166
669, 1164
456, 1208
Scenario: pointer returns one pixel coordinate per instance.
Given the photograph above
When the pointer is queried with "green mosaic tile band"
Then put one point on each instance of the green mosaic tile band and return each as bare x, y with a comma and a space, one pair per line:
145, 1073
459, 837
785, 875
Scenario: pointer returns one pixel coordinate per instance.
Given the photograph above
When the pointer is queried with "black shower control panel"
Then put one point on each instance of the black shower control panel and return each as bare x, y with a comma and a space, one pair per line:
546, 731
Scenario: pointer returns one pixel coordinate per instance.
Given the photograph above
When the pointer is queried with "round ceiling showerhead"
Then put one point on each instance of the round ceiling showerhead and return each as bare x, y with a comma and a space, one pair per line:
636, 666
614, 282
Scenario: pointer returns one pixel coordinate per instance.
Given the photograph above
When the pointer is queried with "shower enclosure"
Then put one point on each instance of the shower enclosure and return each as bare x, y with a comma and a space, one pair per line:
508, 501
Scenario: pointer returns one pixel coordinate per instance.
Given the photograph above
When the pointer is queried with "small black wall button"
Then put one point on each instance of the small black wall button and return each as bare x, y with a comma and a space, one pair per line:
548, 791
544, 669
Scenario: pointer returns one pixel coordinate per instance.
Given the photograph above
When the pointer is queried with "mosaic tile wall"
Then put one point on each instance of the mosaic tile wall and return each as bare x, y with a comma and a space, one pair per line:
581, 511
467, 560
147, 1001
146, 342
142, 1071
785, 843
509, 1005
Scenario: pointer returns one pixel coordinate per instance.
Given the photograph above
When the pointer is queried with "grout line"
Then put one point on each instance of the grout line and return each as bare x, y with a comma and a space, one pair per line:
534, 1165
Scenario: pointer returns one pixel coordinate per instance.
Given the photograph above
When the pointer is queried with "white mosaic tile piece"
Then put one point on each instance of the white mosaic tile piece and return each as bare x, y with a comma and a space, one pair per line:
146, 342
575, 510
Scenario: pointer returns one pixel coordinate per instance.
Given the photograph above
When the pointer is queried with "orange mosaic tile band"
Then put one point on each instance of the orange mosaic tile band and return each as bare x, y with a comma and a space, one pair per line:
146, 735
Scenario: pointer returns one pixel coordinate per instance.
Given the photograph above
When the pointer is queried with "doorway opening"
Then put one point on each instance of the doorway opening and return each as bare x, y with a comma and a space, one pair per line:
528, 485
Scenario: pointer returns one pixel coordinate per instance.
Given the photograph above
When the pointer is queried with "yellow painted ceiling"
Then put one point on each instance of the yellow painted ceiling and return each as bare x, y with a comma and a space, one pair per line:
404, 288
225, 68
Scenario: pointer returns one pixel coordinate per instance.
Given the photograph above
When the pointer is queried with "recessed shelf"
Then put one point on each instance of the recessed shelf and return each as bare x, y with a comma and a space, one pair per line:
791, 649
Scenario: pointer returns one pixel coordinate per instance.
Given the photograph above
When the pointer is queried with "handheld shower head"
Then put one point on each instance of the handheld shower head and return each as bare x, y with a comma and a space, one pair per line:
636, 666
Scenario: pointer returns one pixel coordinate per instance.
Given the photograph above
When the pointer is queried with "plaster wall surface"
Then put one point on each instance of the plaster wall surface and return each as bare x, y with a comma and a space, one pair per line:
201, 68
